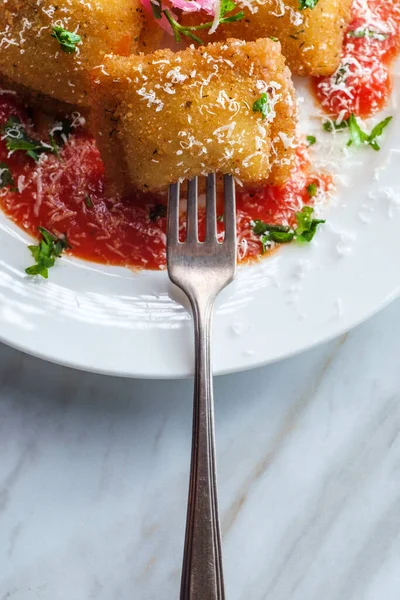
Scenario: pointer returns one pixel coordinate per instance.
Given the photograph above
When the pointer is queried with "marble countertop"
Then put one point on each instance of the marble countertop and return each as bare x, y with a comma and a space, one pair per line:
94, 474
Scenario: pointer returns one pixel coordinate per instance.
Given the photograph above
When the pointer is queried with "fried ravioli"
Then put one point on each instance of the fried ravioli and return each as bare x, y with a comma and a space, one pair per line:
32, 57
311, 38
227, 108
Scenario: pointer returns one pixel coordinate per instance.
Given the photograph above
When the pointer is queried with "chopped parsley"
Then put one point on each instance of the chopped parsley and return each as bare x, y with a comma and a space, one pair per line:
6, 177
88, 201
312, 190
187, 30
362, 33
359, 137
311, 139
16, 137
306, 225
157, 211
68, 41
262, 105
303, 4
274, 39
341, 74
282, 234
45, 253
226, 6
260, 227
330, 126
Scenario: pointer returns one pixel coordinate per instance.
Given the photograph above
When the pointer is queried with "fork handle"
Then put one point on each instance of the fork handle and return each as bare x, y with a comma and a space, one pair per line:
202, 576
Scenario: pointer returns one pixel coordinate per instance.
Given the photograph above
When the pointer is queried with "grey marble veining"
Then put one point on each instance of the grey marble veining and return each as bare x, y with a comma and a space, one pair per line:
94, 470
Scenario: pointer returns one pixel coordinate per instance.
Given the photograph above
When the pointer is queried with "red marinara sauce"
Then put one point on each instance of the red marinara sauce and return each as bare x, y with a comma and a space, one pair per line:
65, 194
362, 83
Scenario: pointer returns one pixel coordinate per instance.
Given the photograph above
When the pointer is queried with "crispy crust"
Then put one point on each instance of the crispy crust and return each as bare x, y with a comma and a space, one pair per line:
31, 57
311, 39
168, 115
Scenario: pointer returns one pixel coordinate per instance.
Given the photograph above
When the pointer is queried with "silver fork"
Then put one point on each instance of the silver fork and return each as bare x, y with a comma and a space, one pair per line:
202, 270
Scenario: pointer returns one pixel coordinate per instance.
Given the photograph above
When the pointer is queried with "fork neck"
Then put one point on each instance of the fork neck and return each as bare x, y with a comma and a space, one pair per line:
202, 576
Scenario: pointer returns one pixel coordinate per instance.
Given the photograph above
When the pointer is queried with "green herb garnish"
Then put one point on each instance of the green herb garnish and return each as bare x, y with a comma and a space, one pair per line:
88, 201
260, 227
157, 211
281, 234
333, 126
312, 190
50, 248
303, 4
359, 137
362, 33
186, 30
16, 137
6, 177
67, 40
306, 225
311, 139
262, 105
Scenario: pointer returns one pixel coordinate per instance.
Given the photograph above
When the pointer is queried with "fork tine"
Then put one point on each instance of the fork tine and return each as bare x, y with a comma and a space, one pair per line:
229, 210
211, 224
173, 213
192, 209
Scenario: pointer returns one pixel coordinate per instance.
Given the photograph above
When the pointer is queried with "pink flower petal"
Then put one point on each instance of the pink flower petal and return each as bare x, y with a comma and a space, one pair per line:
195, 5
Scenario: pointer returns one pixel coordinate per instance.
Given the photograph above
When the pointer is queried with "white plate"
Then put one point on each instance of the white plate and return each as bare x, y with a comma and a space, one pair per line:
113, 321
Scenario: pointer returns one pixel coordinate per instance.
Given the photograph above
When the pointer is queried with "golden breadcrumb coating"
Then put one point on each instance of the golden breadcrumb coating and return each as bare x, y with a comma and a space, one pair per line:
167, 116
311, 38
31, 57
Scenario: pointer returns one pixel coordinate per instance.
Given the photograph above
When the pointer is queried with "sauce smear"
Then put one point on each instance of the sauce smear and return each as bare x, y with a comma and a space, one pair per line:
362, 83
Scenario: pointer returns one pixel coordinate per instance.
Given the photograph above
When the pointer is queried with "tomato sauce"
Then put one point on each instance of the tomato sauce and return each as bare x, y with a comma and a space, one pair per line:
363, 82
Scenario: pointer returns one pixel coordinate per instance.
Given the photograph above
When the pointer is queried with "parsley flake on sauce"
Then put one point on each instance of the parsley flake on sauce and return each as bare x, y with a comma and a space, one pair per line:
303, 4
311, 139
88, 201
68, 41
362, 33
45, 253
16, 137
6, 177
262, 105
282, 234
312, 190
306, 225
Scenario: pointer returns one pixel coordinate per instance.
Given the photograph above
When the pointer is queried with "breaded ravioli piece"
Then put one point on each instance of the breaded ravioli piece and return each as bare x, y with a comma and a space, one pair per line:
226, 108
311, 38
30, 56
